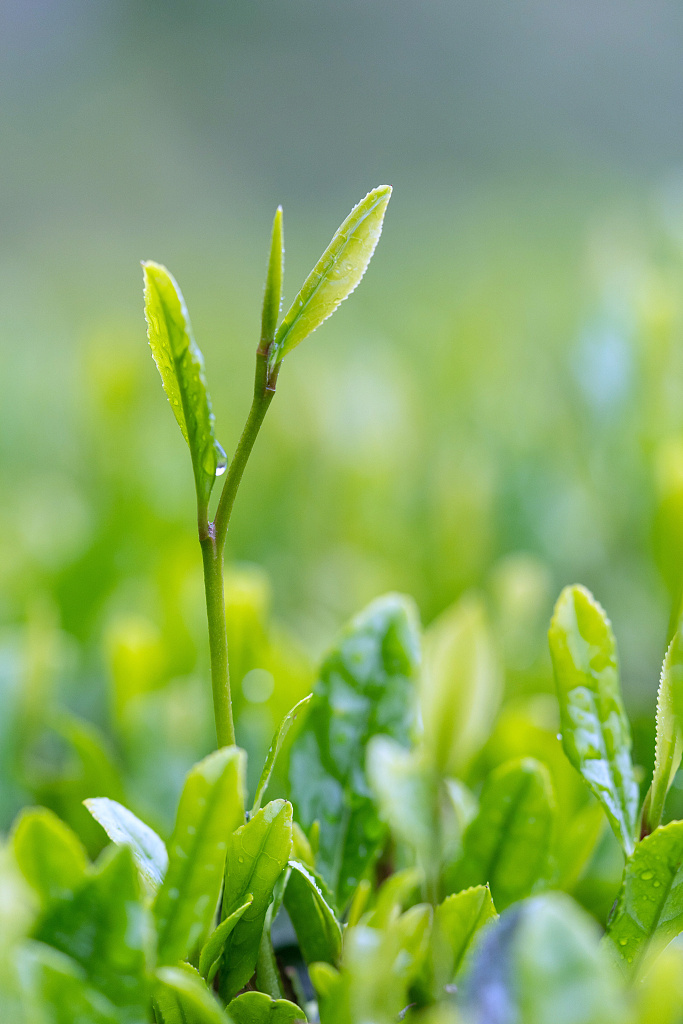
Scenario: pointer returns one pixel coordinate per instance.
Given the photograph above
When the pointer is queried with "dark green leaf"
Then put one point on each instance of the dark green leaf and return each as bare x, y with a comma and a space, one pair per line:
456, 923
275, 748
366, 688
181, 367
507, 844
669, 742
125, 829
336, 274
257, 855
212, 950
50, 856
595, 731
259, 1008
181, 997
211, 808
315, 924
272, 297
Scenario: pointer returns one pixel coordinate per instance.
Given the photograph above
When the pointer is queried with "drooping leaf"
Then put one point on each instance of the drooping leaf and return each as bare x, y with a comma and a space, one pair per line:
457, 922
461, 685
56, 989
315, 924
105, 928
275, 748
336, 274
181, 997
50, 855
181, 367
649, 906
259, 1008
366, 688
257, 854
211, 808
212, 950
125, 829
272, 296
669, 743
507, 844
595, 730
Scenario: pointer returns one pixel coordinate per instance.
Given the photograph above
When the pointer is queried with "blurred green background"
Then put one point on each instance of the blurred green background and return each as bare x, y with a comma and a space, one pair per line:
499, 407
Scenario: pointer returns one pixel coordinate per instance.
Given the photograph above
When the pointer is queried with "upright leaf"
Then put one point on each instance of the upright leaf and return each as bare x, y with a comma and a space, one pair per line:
595, 730
211, 808
457, 922
275, 748
507, 844
669, 743
336, 274
650, 902
212, 950
272, 296
315, 924
259, 1008
257, 855
125, 829
181, 367
366, 688
50, 855
181, 997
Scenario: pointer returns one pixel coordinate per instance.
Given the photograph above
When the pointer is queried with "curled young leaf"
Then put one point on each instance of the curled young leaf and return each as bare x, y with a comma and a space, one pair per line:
125, 829
314, 922
669, 743
272, 296
275, 748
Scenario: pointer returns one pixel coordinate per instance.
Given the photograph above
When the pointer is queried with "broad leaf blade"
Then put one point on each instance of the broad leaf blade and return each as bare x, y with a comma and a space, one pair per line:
316, 927
211, 953
57, 990
125, 829
366, 688
595, 730
211, 808
275, 748
507, 844
259, 1008
50, 855
650, 902
669, 742
272, 296
181, 997
336, 274
456, 923
181, 367
257, 855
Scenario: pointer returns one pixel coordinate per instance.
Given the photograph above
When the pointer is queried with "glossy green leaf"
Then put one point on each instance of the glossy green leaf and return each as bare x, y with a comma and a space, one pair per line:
181, 367
649, 906
457, 922
507, 844
669, 743
366, 688
315, 924
50, 855
595, 730
125, 829
105, 928
259, 1008
461, 685
57, 991
275, 748
181, 997
272, 296
211, 953
258, 853
336, 274
211, 808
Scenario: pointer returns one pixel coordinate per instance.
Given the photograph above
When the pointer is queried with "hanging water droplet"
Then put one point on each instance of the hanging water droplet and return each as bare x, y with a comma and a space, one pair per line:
622, 942
646, 876
221, 460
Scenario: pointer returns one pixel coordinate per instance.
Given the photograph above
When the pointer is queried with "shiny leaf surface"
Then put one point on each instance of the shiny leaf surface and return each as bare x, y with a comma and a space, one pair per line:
125, 829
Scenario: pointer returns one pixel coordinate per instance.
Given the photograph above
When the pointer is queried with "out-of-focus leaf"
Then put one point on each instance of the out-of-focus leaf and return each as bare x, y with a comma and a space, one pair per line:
392, 896
57, 991
181, 367
366, 688
577, 842
669, 743
595, 730
315, 924
649, 906
212, 950
105, 928
336, 274
257, 854
456, 923
181, 997
259, 1008
659, 992
125, 829
275, 748
272, 296
461, 685
507, 844
50, 855
334, 993
211, 808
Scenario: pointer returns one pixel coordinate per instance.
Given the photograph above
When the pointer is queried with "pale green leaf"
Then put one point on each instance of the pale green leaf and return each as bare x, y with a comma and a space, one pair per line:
314, 921
275, 748
212, 950
50, 855
456, 923
272, 296
57, 990
259, 1008
181, 997
669, 742
125, 829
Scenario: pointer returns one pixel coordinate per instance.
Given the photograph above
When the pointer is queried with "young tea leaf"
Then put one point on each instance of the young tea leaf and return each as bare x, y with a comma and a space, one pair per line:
366, 688
57, 990
259, 1008
650, 902
272, 296
257, 855
336, 274
181, 997
276, 747
595, 730
507, 844
211, 953
211, 808
669, 743
181, 367
125, 829
457, 922
314, 922
50, 855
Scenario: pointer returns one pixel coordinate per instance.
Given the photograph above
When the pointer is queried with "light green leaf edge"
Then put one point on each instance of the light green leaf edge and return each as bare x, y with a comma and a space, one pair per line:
181, 997
669, 739
276, 747
260, 1008
125, 829
456, 923
212, 950
313, 919
272, 295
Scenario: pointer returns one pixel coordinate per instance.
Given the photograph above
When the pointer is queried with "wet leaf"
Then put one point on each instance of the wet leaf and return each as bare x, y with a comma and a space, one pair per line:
212, 950
50, 855
181, 997
314, 921
669, 743
595, 730
125, 829
259, 1008
275, 748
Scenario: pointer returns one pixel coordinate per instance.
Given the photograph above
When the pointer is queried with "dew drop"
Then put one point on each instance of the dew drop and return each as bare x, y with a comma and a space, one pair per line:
241, 860
656, 884
221, 460
646, 876
622, 942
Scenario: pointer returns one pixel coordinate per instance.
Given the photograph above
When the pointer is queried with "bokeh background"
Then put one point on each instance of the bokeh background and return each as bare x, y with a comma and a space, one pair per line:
498, 409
